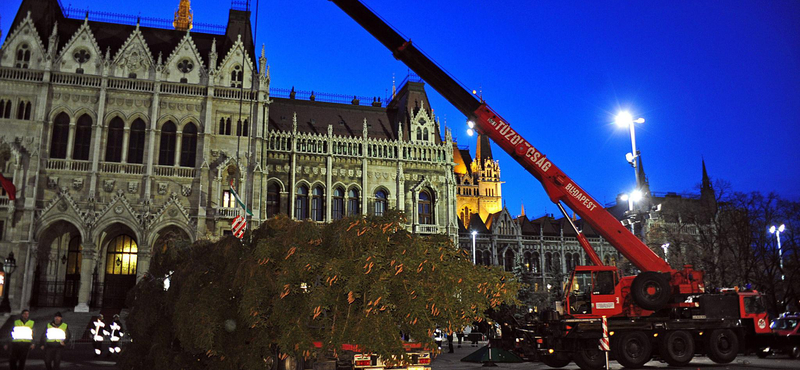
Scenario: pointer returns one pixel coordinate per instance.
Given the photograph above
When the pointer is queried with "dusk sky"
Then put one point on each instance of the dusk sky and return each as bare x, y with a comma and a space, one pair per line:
714, 80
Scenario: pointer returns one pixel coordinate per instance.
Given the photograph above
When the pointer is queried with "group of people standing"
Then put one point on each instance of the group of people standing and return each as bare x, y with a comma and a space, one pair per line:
54, 339
468, 332
113, 332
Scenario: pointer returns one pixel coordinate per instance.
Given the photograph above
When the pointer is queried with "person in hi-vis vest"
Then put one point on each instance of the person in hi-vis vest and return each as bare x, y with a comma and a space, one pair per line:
115, 334
98, 329
53, 342
21, 341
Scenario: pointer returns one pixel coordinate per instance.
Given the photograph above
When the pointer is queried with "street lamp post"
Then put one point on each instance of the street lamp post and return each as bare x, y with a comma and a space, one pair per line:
9, 265
665, 247
474, 233
625, 119
777, 231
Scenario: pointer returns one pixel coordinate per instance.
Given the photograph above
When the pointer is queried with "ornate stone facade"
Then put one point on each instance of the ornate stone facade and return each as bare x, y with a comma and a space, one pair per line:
120, 137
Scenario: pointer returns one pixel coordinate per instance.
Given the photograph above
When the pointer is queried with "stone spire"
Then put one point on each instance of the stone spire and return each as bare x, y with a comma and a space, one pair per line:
183, 16
484, 150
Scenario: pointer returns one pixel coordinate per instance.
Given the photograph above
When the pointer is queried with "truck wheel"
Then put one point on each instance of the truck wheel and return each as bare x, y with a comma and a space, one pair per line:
556, 360
632, 350
794, 352
651, 290
722, 346
588, 355
677, 348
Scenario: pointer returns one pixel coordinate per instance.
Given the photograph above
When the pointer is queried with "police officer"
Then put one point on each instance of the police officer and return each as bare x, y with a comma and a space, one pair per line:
21, 341
115, 334
53, 342
98, 328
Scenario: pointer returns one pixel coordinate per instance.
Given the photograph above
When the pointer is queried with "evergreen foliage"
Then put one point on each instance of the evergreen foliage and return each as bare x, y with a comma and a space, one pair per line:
304, 289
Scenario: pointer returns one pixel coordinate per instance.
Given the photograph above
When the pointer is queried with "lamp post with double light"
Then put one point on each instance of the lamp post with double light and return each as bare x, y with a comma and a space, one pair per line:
9, 265
626, 119
777, 231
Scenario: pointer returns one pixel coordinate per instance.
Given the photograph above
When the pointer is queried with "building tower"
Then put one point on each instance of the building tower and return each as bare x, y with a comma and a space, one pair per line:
183, 16
479, 185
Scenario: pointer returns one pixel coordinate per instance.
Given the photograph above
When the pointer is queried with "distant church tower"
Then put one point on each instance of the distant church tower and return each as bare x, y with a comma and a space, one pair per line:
479, 185
183, 16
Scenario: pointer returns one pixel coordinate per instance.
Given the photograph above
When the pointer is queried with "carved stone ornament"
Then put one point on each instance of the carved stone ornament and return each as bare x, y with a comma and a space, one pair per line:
118, 209
62, 206
77, 184
133, 186
186, 190
108, 185
162, 188
52, 182
172, 212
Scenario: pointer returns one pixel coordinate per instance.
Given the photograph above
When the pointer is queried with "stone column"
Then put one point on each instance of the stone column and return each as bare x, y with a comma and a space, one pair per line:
178, 137
87, 268
126, 134
71, 137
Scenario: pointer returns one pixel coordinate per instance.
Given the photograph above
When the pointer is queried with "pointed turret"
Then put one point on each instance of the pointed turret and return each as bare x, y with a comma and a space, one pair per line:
706, 179
707, 195
645, 184
484, 150
183, 16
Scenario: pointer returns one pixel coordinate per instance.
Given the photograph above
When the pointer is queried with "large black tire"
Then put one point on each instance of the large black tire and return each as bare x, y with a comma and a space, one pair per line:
588, 355
556, 360
632, 349
651, 290
676, 347
722, 346
794, 352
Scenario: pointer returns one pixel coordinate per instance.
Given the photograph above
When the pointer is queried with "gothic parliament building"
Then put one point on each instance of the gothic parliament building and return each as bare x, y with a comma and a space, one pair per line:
121, 133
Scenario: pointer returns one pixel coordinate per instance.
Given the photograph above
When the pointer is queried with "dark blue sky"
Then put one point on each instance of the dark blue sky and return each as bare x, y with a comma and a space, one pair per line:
714, 80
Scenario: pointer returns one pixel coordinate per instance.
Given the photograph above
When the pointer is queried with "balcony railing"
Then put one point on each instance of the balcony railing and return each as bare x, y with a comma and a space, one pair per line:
169, 171
76, 79
426, 229
4, 201
68, 165
127, 168
183, 89
21, 74
224, 212
130, 84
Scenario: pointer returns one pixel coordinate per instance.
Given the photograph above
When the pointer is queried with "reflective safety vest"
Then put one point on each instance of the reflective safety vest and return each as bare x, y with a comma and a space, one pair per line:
116, 331
23, 331
98, 336
56, 334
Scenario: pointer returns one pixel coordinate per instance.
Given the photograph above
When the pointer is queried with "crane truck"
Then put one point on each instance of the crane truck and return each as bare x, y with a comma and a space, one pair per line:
662, 311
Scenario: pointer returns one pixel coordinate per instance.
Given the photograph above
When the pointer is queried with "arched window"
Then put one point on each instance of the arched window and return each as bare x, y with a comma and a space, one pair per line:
528, 261
58, 140
353, 203
241, 128
318, 204
122, 256
189, 145
548, 262
114, 140
576, 261
509, 260
136, 142
301, 203
419, 134
24, 110
535, 261
487, 258
221, 126
5, 108
236, 76
425, 134
273, 199
380, 202
74, 256
479, 258
83, 138
23, 56
424, 208
556, 263
337, 208
166, 151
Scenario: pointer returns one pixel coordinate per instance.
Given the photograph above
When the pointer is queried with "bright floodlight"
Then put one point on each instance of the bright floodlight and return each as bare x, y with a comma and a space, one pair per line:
782, 227
624, 119
471, 124
639, 120
623, 197
474, 233
470, 132
772, 229
629, 157
636, 195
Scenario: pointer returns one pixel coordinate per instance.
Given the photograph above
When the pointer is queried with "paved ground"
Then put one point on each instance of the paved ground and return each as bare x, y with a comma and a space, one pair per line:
452, 361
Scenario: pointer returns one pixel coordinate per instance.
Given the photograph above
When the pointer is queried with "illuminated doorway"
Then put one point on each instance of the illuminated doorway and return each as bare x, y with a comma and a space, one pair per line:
121, 263
72, 277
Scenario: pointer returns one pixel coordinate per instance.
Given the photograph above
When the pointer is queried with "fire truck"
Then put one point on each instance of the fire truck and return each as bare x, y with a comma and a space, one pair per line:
662, 312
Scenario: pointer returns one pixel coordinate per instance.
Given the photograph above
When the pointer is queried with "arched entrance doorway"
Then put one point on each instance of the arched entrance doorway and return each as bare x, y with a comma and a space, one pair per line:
57, 275
120, 270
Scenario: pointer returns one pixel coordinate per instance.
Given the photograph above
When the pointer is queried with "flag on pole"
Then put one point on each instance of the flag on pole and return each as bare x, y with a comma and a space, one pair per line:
239, 200
238, 226
9, 187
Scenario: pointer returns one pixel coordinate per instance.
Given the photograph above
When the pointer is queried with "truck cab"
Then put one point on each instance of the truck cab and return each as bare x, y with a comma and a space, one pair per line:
594, 291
